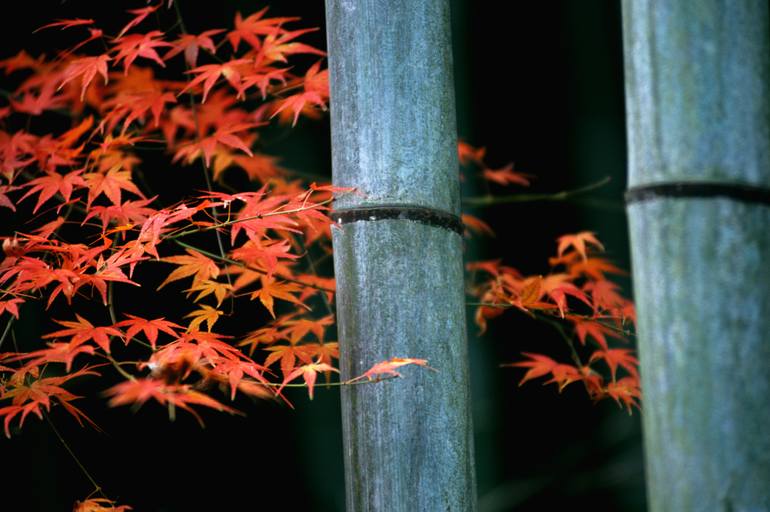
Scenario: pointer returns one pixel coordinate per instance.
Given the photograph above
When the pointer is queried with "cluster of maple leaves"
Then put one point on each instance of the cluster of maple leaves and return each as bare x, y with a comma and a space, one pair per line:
121, 99
576, 292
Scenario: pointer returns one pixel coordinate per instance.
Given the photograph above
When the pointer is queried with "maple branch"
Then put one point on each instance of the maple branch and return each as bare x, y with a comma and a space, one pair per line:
204, 167
490, 200
97, 487
568, 339
350, 382
226, 223
248, 267
6, 331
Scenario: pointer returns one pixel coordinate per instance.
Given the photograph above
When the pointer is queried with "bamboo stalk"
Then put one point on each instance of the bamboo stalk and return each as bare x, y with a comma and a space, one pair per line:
408, 442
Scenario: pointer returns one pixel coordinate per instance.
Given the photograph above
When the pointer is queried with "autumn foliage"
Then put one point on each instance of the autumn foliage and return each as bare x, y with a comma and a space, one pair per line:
86, 222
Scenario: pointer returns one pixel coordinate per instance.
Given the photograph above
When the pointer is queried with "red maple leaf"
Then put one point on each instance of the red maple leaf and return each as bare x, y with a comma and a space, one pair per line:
133, 46
316, 85
309, 373
86, 68
52, 183
210, 73
81, 330
150, 328
578, 241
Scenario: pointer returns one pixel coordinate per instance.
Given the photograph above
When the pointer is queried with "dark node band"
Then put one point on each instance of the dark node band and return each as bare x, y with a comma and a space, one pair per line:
421, 214
694, 189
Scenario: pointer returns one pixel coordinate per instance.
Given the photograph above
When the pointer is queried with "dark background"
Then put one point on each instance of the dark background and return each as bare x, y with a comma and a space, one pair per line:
540, 84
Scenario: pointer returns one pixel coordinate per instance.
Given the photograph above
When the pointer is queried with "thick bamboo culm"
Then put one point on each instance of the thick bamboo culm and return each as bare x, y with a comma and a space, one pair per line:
698, 121
407, 442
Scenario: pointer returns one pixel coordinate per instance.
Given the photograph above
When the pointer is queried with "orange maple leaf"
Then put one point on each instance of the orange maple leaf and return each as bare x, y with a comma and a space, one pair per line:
86, 68
279, 290
138, 391
81, 330
99, 505
539, 366
206, 313
198, 265
110, 184
52, 183
578, 241
150, 328
139, 16
388, 368
190, 44
316, 92
208, 146
309, 373
625, 392
130, 47
506, 176
209, 74
615, 357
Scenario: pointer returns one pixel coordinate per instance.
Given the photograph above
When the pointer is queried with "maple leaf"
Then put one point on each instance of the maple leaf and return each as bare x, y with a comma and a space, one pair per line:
4, 200
150, 328
139, 16
195, 264
131, 47
593, 328
294, 329
209, 74
506, 176
287, 355
557, 287
625, 392
190, 45
55, 353
258, 167
277, 45
206, 313
125, 216
324, 352
578, 241
36, 104
605, 296
132, 106
138, 391
86, 68
99, 505
527, 295
539, 366
388, 368
32, 398
316, 92
52, 183
467, 153
208, 287
11, 306
594, 268
254, 25
66, 23
309, 372
110, 184
264, 255
81, 330
615, 357
476, 225
271, 289
563, 375
224, 135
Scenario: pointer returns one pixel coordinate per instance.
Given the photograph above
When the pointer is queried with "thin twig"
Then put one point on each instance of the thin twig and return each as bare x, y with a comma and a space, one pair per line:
490, 200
